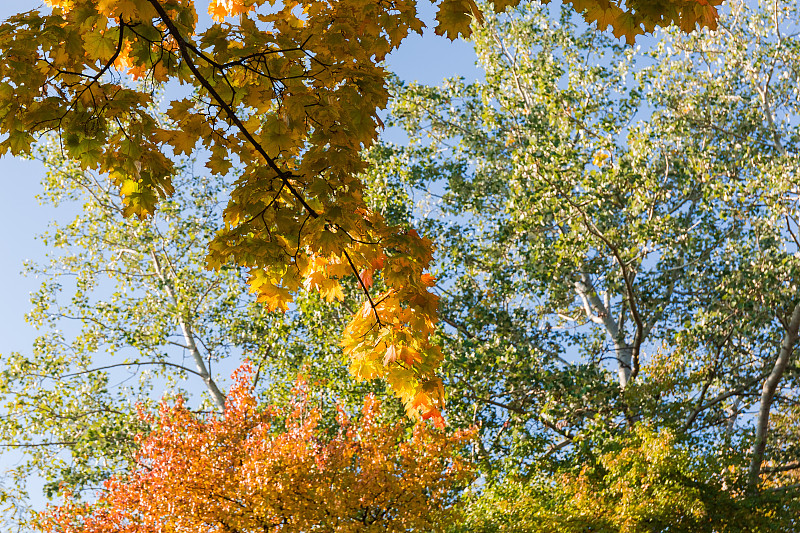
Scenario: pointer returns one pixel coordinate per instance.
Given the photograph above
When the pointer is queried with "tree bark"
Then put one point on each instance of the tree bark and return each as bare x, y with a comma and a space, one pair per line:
768, 396
597, 312
188, 337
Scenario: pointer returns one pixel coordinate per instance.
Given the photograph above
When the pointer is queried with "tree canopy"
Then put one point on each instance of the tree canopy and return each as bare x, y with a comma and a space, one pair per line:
617, 235
291, 92
612, 303
252, 471
126, 312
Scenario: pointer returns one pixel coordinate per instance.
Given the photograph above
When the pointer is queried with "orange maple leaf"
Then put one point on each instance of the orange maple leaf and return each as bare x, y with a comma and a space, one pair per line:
366, 277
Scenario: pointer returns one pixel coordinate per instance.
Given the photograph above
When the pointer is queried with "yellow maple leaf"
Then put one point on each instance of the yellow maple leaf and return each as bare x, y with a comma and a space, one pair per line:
409, 355
127, 9
501, 5
331, 290
276, 298
64, 5
626, 26
219, 9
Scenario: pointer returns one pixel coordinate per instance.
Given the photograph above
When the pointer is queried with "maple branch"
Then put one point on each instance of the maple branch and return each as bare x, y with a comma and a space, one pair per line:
364, 288
184, 47
113, 58
261, 213
340, 228
93, 79
260, 55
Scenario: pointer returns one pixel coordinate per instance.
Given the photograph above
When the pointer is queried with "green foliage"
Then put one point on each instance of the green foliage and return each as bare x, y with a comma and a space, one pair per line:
643, 482
617, 243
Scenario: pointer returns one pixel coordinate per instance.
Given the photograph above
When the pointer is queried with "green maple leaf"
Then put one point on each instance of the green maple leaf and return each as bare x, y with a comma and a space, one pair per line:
19, 142
455, 16
328, 242
219, 163
627, 27
605, 16
502, 5
101, 45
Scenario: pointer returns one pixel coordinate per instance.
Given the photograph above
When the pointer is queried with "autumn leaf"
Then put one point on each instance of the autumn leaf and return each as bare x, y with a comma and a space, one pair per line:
366, 277
101, 44
605, 14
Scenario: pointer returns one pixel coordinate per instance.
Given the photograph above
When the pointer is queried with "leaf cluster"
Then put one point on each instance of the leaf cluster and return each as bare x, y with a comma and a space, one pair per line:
254, 469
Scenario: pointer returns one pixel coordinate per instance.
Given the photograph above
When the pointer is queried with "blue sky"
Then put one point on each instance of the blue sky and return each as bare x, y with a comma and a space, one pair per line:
426, 59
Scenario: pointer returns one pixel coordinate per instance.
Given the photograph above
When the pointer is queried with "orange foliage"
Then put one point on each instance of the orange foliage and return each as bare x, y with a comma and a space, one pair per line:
254, 470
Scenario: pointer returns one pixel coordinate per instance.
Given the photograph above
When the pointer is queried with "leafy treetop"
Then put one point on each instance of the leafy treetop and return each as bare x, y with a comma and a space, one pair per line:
262, 470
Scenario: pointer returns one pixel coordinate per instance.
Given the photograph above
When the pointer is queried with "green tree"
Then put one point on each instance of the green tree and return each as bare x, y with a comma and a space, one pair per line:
642, 482
616, 235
